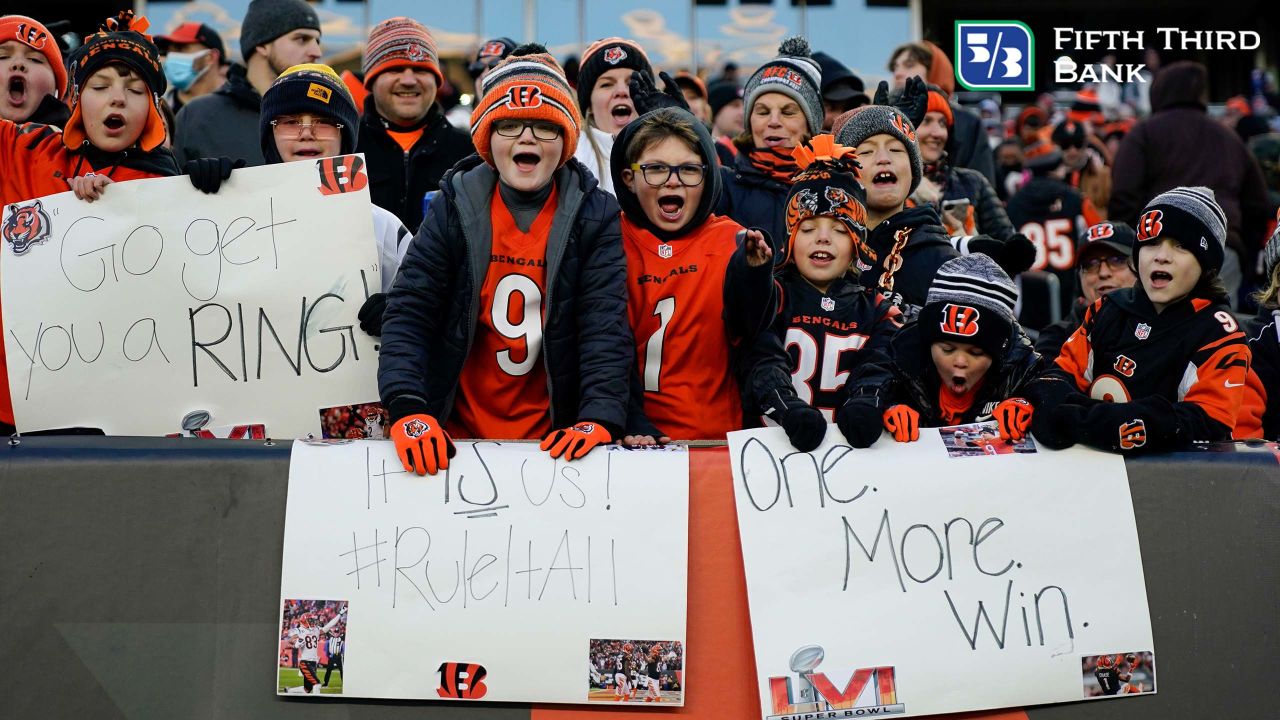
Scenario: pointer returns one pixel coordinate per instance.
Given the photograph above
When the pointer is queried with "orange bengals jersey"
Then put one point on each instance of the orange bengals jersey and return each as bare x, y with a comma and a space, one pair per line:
675, 301
503, 392
35, 163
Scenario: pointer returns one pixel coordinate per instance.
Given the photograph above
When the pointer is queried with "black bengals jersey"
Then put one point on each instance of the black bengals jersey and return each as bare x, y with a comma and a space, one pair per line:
825, 336
1193, 352
1051, 214
1109, 679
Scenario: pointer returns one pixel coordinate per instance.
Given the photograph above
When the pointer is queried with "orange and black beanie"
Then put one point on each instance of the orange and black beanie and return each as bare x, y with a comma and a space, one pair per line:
119, 40
31, 33
827, 184
528, 85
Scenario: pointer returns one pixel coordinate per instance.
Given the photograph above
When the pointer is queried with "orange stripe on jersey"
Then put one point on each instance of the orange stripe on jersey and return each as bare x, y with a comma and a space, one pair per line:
675, 301
1220, 383
503, 391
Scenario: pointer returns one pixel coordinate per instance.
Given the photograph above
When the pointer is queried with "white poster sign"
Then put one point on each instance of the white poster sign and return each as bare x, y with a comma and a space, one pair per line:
938, 576
512, 577
157, 301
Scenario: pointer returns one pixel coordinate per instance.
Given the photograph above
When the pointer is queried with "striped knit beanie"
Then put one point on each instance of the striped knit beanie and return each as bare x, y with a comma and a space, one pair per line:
854, 127
308, 88
794, 74
400, 42
1190, 215
1271, 251
970, 301
827, 185
605, 55
528, 85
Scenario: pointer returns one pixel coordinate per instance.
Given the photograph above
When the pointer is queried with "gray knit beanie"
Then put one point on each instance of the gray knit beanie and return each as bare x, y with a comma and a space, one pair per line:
794, 74
971, 300
1192, 216
870, 120
266, 20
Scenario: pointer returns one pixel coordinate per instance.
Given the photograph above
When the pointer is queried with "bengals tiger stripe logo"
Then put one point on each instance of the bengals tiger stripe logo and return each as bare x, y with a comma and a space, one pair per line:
961, 320
1149, 225
30, 35
1101, 231
900, 122
1133, 434
524, 97
463, 681
341, 174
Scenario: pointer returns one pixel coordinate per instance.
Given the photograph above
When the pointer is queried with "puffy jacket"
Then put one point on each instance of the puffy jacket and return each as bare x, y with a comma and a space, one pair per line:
399, 180
904, 373
968, 144
223, 123
755, 200
431, 314
961, 183
926, 249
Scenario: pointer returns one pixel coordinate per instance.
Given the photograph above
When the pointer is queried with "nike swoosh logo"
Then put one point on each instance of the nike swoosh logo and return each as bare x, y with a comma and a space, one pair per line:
1230, 384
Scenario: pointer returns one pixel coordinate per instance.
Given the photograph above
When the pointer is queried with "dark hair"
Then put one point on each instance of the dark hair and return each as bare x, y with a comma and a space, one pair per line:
919, 53
1210, 286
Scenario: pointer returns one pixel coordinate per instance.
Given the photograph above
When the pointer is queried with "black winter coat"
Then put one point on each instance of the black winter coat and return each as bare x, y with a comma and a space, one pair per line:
988, 211
968, 144
398, 181
755, 200
904, 373
927, 248
431, 314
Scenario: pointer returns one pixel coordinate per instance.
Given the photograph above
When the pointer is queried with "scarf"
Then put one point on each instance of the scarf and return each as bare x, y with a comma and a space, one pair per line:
777, 164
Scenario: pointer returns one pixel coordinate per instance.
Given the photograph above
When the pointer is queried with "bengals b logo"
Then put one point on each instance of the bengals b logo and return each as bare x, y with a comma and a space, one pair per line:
30, 35
900, 122
524, 97
959, 320
1149, 225
1125, 366
493, 49
463, 681
1133, 434
341, 174
1101, 231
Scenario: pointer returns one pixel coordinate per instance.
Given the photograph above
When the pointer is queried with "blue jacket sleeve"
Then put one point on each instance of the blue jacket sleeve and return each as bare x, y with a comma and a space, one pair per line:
607, 352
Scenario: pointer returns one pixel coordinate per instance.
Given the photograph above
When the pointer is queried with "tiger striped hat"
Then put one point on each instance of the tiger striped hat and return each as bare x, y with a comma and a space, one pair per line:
528, 85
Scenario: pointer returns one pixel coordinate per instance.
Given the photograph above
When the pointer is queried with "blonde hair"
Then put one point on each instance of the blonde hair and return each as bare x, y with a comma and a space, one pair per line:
1269, 297
602, 161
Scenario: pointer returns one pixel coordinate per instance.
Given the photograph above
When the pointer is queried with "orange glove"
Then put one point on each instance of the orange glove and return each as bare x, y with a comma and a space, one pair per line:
577, 441
1014, 417
903, 422
422, 444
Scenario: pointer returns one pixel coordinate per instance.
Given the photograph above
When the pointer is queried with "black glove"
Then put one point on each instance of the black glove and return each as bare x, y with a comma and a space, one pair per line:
1148, 424
1060, 427
207, 174
646, 96
805, 425
913, 102
1016, 255
860, 422
370, 314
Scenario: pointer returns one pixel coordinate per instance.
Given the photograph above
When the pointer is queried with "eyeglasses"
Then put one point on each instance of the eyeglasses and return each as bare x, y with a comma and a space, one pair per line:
515, 128
292, 127
1094, 264
657, 174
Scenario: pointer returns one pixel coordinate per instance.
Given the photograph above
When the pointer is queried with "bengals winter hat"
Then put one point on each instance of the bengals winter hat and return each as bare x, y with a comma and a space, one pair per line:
1108, 235
605, 55
1193, 217
854, 127
793, 73
308, 88
266, 20
490, 54
527, 85
400, 42
121, 39
827, 185
31, 33
971, 301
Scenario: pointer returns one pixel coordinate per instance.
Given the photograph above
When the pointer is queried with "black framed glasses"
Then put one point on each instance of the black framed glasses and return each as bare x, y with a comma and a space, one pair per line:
657, 174
1094, 264
515, 128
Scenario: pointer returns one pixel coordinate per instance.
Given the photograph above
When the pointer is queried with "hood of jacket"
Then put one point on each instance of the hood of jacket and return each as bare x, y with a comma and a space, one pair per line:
239, 89
630, 203
1180, 84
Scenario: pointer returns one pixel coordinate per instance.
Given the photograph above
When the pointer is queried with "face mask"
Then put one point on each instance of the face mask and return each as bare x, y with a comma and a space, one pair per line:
179, 68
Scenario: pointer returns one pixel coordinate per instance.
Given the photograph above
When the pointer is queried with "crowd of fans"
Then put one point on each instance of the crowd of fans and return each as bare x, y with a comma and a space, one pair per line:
619, 254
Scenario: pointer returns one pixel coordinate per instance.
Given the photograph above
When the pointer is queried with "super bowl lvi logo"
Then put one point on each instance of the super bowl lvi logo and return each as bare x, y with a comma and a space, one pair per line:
25, 226
809, 694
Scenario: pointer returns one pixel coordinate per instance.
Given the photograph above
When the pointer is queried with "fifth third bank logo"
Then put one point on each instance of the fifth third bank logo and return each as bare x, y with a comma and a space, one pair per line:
995, 55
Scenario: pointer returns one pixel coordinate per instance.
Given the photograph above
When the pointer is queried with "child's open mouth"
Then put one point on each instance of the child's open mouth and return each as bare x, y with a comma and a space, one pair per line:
307, 152
959, 383
821, 258
1160, 279
670, 207
17, 89
114, 122
526, 161
884, 177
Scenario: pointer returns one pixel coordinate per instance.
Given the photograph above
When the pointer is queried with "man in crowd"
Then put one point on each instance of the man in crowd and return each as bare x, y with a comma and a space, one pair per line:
275, 36
1103, 264
404, 135
195, 62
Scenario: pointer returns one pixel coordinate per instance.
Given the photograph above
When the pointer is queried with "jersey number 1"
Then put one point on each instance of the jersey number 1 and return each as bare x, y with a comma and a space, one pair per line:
665, 309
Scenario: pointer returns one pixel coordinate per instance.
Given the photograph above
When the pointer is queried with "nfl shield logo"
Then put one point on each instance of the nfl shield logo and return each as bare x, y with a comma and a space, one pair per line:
664, 251
1142, 332
828, 304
